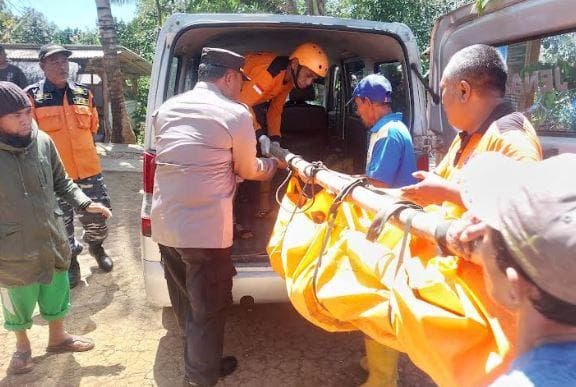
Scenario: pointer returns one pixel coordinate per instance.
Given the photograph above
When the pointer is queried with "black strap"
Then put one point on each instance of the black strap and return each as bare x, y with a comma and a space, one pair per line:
363, 181
316, 166
401, 259
345, 192
407, 228
383, 216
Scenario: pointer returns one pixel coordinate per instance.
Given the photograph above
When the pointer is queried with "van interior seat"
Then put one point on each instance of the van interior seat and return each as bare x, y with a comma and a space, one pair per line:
304, 125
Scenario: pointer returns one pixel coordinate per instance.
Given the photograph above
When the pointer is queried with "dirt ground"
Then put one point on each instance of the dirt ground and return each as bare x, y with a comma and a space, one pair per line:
138, 344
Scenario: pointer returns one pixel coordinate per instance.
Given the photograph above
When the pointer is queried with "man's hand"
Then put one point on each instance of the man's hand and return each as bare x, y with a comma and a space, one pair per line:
432, 189
464, 235
281, 163
264, 142
98, 208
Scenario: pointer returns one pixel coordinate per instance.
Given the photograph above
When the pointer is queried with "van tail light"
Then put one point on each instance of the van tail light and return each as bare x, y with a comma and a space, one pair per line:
148, 172
423, 162
147, 186
146, 226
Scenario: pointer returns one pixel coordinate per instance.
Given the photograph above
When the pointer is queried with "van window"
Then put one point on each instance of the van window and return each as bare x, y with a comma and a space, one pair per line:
335, 97
319, 91
394, 72
173, 77
355, 71
191, 75
542, 81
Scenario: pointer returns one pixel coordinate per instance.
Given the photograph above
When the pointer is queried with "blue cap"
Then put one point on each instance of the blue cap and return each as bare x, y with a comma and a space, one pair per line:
375, 87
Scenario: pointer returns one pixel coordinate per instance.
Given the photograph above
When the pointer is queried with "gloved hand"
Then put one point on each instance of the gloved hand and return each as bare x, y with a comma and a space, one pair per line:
264, 142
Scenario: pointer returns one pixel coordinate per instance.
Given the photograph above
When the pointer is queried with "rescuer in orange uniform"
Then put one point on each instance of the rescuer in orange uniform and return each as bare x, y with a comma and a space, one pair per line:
272, 77
65, 110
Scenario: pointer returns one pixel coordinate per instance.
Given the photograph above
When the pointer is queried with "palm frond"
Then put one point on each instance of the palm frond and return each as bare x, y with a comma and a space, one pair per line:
480, 5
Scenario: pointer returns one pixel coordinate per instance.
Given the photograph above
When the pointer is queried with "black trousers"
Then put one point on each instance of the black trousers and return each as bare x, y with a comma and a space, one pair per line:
200, 287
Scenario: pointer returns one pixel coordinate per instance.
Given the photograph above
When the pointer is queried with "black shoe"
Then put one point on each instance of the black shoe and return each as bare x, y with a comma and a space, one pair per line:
228, 365
74, 272
97, 251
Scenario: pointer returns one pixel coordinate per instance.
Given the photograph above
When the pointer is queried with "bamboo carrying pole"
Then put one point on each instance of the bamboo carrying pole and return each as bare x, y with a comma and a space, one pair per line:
424, 224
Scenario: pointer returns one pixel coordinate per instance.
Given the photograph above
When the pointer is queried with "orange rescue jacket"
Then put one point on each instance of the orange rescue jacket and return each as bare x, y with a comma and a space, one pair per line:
267, 71
70, 118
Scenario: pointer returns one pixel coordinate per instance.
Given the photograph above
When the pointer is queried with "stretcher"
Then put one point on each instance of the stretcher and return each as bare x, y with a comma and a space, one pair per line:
358, 258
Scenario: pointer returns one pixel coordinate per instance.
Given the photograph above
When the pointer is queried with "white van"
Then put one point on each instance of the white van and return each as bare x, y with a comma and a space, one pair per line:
319, 125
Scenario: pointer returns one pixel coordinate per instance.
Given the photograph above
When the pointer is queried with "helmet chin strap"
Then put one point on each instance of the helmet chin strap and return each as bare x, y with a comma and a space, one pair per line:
295, 77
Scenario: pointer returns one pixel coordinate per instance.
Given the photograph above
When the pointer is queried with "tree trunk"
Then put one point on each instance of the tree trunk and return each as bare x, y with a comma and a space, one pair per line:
315, 7
121, 127
159, 12
291, 7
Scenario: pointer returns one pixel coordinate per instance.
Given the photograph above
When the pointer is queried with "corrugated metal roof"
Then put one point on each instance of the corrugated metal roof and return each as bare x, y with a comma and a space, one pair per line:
90, 57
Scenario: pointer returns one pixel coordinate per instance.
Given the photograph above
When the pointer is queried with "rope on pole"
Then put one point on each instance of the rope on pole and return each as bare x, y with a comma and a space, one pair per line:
424, 225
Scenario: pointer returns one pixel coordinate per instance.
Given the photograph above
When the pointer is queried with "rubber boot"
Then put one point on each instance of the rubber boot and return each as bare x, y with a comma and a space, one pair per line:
382, 362
97, 251
74, 272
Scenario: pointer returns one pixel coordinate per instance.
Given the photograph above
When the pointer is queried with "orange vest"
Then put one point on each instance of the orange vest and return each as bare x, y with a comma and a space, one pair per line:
267, 71
70, 119
511, 134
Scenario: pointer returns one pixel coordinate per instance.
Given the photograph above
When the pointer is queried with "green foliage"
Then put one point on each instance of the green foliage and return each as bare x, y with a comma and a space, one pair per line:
7, 24
76, 36
33, 27
419, 15
481, 5
556, 110
139, 36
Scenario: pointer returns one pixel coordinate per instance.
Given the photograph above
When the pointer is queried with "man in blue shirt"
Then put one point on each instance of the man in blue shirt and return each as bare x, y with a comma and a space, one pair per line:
390, 161
524, 220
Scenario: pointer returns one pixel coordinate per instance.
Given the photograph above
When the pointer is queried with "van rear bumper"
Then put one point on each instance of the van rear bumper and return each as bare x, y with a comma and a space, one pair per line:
257, 281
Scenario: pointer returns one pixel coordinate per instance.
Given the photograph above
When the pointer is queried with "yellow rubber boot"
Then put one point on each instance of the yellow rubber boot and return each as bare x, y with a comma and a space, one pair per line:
382, 364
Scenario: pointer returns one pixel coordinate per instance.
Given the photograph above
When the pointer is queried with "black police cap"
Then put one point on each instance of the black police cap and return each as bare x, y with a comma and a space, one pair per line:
51, 49
223, 58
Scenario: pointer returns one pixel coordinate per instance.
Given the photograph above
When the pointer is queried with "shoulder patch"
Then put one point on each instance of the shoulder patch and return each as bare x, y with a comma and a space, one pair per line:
30, 89
278, 65
78, 88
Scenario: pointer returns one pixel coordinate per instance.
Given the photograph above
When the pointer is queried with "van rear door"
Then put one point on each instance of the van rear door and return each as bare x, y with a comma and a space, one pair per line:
537, 38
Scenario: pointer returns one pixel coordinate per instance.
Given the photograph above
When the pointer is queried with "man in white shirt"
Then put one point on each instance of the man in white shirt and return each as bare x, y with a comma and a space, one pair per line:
204, 140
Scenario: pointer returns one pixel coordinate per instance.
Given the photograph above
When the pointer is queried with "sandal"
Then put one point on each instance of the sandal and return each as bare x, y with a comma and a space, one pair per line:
72, 344
21, 363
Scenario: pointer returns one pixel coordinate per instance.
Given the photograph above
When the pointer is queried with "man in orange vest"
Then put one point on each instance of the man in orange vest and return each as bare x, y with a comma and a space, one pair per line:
65, 110
473, 87
272, 77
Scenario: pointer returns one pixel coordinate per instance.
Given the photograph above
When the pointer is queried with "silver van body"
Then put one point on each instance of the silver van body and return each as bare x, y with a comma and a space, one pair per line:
178, 48
521, 29
542, 83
